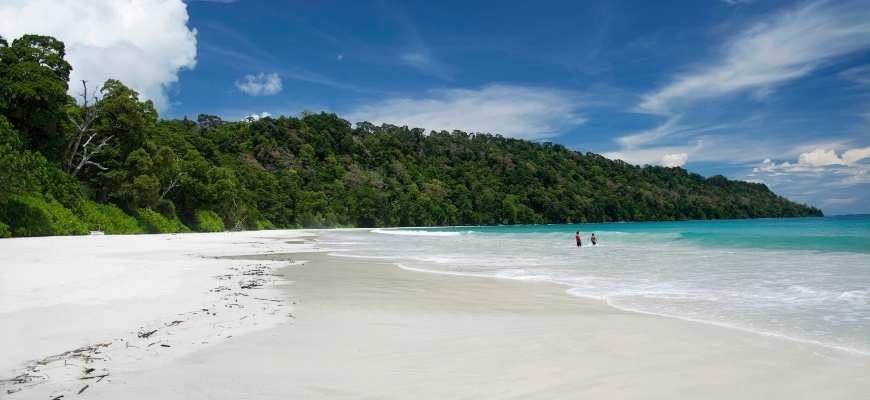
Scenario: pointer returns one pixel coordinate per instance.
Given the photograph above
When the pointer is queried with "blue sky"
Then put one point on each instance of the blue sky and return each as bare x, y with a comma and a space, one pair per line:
769, 91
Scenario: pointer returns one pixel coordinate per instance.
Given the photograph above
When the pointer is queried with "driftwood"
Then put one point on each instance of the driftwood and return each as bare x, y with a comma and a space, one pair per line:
101, 376
85, 387
251, 284
86, 353
146, 334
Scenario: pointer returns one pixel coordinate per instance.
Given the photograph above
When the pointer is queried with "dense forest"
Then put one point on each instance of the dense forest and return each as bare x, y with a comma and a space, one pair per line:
107, 162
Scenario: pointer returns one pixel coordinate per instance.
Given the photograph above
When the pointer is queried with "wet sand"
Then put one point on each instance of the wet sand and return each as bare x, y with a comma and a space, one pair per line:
364, 329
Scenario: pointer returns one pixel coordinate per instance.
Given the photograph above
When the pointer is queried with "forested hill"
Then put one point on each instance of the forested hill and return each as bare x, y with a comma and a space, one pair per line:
111, 164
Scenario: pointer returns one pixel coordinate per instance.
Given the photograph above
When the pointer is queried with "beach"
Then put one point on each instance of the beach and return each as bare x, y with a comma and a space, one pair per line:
341, 327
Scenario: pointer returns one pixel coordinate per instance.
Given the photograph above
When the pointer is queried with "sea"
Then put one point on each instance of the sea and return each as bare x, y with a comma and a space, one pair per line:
802, 279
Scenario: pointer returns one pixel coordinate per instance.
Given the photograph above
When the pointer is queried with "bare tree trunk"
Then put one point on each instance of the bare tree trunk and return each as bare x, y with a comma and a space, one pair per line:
78, 154
172, 184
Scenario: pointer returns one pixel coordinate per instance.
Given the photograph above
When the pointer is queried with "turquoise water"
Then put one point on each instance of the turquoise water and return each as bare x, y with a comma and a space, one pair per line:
846, 233
801, 279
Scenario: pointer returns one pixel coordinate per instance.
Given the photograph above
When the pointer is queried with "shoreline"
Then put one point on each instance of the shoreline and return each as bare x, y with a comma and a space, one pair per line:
607, 303
369, 329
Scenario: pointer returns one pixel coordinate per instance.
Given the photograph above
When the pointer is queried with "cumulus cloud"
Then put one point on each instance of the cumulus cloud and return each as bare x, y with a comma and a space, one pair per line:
516, 111
254, 117
261, 84
674, 160
783, 47
846, 169
143, 43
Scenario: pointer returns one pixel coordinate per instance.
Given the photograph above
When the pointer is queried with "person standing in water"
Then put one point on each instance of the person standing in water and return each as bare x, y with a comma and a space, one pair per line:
579, 242
593, 239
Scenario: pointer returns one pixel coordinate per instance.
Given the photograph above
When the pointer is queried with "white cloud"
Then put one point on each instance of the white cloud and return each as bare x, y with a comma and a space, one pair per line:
783, 47
819, 158
516, 111
674, 160
261, 84
255, 116
824, 157
858, 75
846, 170
853, 156
143, 43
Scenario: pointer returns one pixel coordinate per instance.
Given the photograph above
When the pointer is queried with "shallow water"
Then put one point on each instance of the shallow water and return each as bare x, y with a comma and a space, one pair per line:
804, 279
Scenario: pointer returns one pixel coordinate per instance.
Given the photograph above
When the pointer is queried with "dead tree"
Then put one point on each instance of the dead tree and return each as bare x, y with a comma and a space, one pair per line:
173, 183
81, 149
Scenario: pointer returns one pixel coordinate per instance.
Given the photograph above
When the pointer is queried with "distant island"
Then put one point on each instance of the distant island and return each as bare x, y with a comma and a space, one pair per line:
108, 163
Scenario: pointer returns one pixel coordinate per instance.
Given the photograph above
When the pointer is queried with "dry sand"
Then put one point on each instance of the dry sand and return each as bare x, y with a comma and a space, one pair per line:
370, 330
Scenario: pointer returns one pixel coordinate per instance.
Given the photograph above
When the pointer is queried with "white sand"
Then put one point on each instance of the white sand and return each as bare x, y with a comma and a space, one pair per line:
61, 293
369, 330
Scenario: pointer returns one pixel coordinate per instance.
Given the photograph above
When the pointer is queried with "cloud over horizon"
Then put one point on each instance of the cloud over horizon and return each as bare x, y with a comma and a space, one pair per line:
509, 110
144, 44
776, 49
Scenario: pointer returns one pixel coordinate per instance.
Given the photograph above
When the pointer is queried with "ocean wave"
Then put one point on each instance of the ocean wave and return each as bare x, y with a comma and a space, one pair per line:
407, 232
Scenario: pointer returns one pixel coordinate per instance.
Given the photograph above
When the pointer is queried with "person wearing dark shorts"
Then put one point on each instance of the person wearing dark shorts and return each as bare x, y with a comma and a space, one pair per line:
594, 239
579, 242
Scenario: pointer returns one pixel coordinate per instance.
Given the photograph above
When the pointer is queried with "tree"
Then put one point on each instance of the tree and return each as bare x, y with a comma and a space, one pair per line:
33, 86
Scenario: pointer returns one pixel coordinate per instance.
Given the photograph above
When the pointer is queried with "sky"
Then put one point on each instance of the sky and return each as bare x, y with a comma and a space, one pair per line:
776, 92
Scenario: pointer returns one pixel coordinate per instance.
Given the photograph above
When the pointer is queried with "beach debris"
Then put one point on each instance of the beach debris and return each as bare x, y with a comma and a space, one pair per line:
87, 365
101, 376
146, 334
251, 284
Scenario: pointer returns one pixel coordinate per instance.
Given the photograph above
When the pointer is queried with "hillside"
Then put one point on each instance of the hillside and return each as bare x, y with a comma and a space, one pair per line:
112, 164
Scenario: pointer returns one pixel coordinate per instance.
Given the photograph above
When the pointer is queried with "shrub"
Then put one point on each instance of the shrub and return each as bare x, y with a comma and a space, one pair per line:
108, 218
4, 230
264, 224
209, 221
154, 222
29, 215
27, 172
